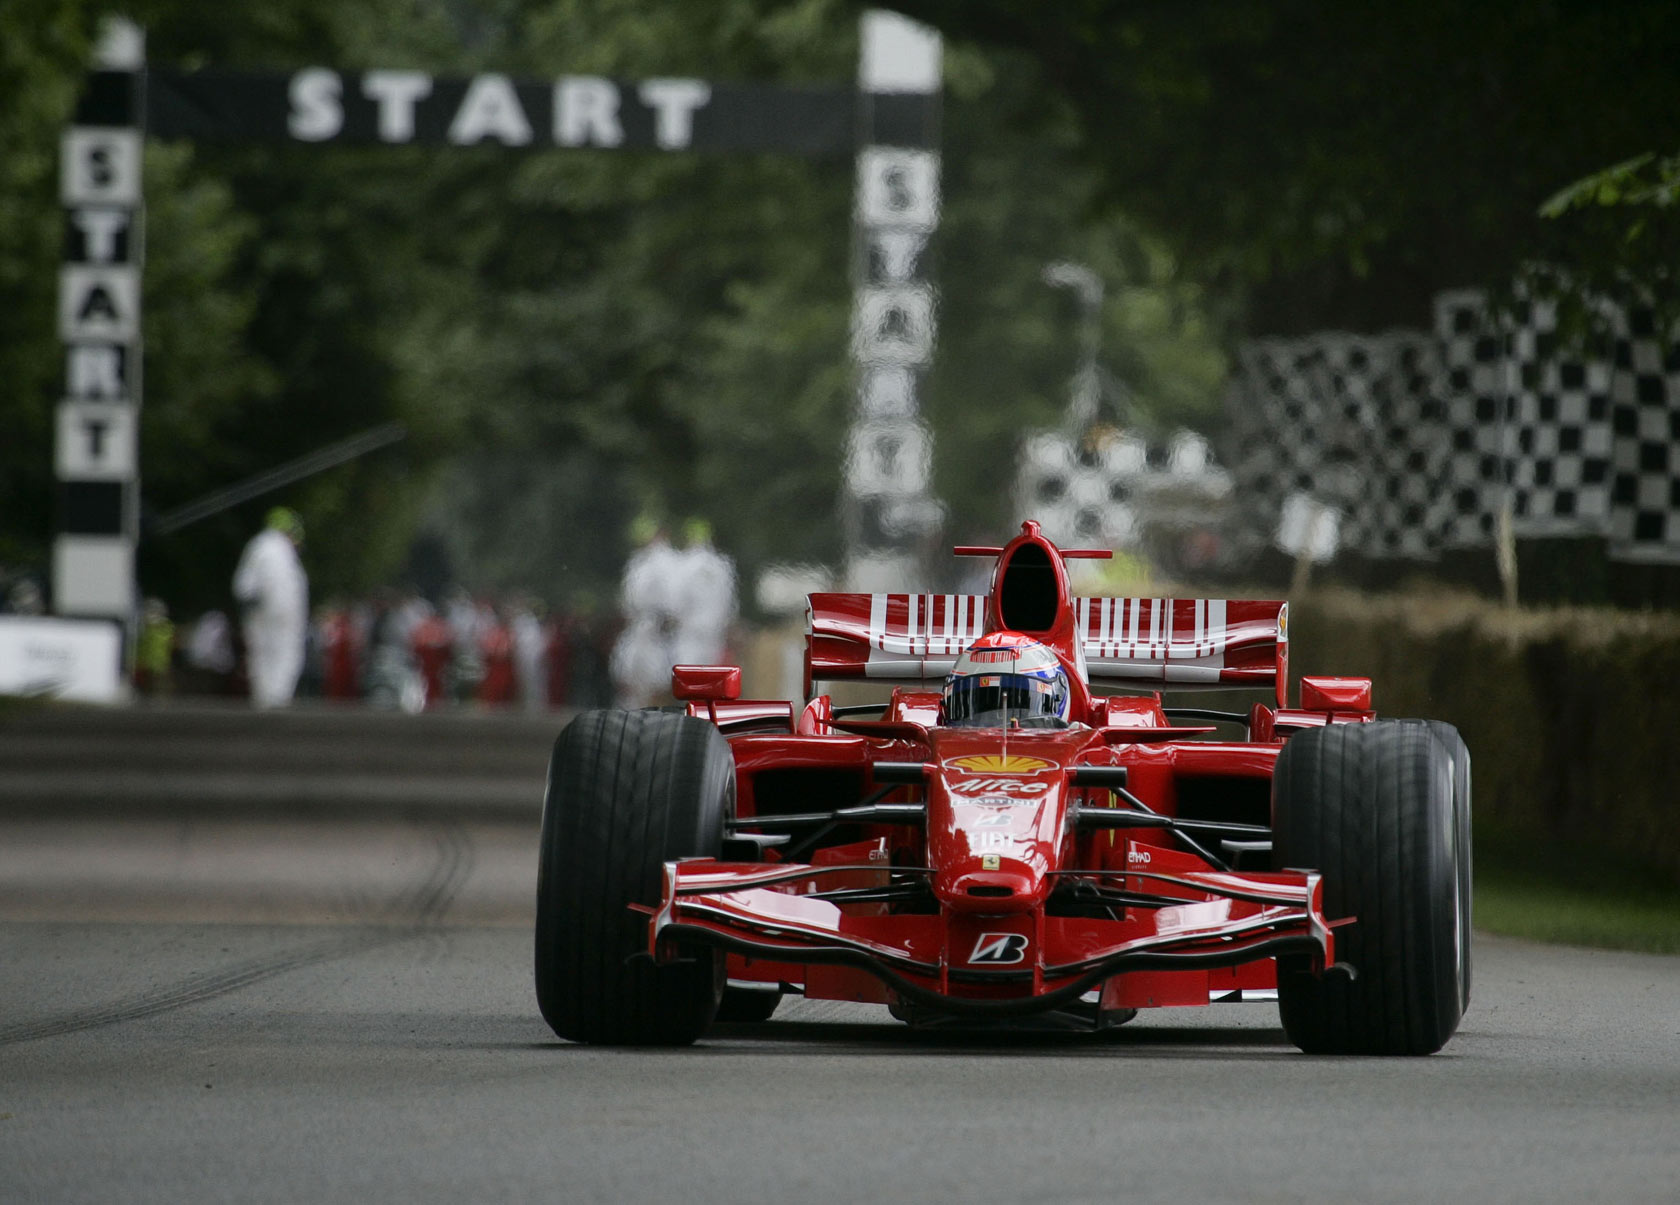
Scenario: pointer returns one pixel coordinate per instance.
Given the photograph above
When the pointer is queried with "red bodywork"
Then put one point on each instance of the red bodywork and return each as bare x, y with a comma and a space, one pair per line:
1001, 872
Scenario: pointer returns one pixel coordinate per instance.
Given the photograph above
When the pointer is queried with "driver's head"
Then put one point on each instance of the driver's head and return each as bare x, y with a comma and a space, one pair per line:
1005, 678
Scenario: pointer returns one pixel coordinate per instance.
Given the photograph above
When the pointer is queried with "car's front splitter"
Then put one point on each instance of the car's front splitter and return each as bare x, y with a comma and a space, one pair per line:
1006, 965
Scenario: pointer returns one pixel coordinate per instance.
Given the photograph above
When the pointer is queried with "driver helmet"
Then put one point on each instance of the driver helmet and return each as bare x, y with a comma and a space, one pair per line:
1006, 678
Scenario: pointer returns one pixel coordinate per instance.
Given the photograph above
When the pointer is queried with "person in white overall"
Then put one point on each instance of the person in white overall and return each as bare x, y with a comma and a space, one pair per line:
643, 656
273, 592
705, 588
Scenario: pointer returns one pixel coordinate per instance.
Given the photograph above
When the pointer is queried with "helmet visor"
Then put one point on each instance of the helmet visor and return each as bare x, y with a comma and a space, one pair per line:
998, 700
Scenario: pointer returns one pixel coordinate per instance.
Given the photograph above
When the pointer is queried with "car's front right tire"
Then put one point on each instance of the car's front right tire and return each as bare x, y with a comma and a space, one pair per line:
1373, 807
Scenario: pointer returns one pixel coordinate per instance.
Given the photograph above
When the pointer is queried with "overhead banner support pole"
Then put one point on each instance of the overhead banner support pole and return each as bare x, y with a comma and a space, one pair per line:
97, 441
888, 509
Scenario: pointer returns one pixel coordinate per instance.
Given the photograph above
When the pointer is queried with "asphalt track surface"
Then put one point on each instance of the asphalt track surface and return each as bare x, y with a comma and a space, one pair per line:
223, 1010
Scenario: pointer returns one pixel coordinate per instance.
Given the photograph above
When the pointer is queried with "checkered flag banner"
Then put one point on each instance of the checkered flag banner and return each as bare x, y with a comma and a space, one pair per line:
1086, 492
1645, 444
1113, 487
1405, 509
1530, 414
1350, 421
1474, 403
1416, 440
1285, 439
1557, 429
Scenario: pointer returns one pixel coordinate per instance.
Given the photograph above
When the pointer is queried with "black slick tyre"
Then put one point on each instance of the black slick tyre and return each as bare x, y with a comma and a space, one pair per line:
1372, 807
1448, 736
627, 792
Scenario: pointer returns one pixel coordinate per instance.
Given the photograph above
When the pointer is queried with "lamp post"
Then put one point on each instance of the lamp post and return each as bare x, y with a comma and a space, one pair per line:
1086, 394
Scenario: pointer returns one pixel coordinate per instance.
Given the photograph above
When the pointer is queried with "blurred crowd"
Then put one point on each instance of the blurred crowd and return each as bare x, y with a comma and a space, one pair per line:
399, 650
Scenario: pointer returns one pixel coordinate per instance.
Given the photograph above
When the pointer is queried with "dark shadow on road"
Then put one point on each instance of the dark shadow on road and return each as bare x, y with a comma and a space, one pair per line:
832, 1038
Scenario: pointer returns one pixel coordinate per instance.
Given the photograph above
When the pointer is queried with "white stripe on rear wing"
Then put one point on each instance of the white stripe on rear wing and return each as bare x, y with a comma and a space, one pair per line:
915, 638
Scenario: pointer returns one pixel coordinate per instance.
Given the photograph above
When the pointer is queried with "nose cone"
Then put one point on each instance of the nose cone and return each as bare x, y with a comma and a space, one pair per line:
997, 811
994, 853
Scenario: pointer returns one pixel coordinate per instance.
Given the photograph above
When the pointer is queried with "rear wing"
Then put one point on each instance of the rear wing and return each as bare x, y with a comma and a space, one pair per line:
900, 638
1143, 642
1207, 642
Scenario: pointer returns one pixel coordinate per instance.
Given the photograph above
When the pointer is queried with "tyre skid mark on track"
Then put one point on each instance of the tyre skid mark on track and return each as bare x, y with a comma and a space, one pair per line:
414, 913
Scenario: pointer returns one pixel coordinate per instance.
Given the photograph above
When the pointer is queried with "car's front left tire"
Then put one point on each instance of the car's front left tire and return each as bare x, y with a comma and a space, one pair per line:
627, 792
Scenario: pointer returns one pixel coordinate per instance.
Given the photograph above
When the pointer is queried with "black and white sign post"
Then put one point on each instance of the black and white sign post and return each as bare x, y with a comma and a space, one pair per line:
888, 505
97, 443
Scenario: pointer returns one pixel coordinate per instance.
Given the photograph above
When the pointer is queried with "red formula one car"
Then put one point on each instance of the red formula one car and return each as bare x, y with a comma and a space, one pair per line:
1015, 847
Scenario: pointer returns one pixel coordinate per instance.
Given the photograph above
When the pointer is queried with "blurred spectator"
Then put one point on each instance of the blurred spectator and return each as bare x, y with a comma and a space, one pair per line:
649, 601
433, 643
705, 591
592, 642
210, 644
312, 682
559, 636
466, 621
340, 654
495, 646
273, 592
154, 649
392, 679
530, 667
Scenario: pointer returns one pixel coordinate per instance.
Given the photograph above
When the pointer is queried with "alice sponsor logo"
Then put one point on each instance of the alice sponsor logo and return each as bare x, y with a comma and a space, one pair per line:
1009, 788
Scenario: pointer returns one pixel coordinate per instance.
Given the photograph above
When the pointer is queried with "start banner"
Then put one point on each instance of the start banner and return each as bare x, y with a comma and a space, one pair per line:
320, 105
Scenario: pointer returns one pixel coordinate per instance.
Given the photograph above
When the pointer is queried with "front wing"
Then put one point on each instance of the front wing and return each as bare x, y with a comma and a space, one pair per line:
991, 965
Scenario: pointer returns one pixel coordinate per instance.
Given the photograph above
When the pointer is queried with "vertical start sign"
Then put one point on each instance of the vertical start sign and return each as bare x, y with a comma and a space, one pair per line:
888, 506
97, 441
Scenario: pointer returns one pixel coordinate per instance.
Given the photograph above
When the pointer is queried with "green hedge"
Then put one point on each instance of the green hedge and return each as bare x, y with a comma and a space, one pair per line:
1572, 715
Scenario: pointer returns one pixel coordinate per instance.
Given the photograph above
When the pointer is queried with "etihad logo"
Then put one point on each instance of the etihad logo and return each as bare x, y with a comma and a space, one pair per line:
999, 763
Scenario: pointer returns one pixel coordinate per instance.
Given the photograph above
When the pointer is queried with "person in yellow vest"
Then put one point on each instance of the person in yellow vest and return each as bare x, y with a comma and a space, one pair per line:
154, 650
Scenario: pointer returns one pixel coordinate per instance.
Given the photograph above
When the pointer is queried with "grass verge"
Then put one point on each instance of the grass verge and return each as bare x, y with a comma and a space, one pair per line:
1574, 897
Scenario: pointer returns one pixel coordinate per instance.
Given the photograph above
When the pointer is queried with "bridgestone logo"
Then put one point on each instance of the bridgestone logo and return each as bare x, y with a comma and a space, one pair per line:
1000, 947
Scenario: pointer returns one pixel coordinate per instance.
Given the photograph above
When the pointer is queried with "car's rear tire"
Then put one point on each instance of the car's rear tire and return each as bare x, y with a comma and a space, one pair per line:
627, 792
748, 1005
1372, 806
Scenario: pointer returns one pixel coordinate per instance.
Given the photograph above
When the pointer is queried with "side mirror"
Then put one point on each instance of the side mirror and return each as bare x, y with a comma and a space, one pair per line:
710, 682
1335, 694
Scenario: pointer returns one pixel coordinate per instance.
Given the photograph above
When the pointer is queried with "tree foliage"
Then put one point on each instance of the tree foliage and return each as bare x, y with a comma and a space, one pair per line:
1632, 210
1335, 165
570, 337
